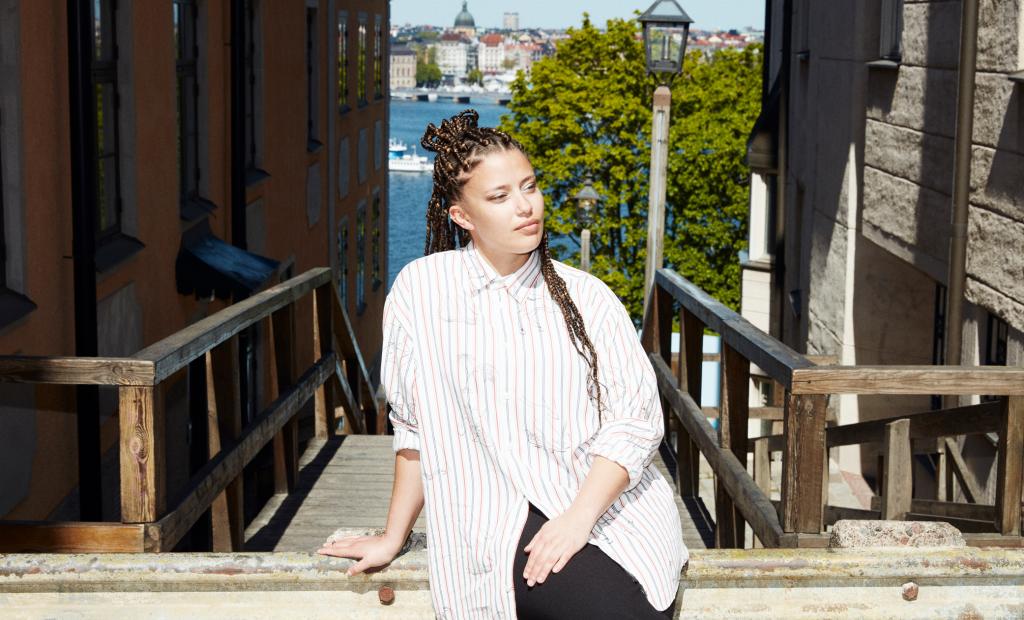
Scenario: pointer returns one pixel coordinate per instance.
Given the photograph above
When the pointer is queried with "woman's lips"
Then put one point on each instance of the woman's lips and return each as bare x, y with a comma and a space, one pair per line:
530, 228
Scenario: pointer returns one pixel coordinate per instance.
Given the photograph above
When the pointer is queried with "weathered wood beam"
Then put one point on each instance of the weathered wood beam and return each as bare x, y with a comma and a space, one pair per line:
968, 483
70, 537
62, 370
877, 380
729, 525
224, 411
802, 461
1009, 466
898, 480
142, 453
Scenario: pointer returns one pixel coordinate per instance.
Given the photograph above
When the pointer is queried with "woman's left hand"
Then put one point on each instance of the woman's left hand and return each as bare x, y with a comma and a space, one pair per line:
554, 545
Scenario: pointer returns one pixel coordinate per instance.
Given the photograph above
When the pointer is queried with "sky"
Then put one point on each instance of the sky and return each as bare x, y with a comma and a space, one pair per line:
706, 14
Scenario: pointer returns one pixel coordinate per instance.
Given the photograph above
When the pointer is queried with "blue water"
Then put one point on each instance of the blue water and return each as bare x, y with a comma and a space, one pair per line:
409, 191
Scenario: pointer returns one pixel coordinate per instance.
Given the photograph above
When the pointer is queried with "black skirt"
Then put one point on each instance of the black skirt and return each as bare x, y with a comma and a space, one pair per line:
591, 585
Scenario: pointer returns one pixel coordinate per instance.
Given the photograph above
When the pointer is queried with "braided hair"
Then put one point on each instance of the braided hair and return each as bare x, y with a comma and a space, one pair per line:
460, 146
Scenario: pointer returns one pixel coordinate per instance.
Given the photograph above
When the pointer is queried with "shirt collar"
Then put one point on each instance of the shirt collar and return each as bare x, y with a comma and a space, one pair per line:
527, 280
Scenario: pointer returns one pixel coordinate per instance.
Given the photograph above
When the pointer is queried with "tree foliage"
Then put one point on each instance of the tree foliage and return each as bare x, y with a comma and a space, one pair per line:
586, 111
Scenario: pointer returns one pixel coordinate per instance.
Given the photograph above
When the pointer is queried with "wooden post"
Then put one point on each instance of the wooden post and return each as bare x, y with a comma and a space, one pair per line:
224, 420
143, 452
941, 472
323, 343
762, 472
282, 369
897, 486
691, 356
804, 430
735, 413
1008, 481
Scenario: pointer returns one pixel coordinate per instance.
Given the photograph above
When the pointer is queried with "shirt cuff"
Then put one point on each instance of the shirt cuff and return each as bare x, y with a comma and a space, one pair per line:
632, 457
406, 439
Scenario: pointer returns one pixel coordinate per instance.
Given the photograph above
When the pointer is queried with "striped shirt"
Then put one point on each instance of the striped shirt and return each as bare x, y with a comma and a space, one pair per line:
483, 380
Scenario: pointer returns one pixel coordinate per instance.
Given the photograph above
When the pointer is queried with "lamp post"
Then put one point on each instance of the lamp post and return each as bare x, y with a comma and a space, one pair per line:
586, 199
666, 27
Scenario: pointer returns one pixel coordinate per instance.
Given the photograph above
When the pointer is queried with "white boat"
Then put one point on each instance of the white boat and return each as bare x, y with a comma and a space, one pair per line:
400, 161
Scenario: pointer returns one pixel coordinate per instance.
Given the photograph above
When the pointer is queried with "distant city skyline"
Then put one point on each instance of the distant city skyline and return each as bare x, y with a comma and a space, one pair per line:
706, 14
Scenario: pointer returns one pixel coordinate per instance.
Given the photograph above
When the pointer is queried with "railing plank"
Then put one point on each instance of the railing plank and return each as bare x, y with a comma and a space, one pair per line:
729, 525
802, 461
772, 356
323, 343
70, 537
968, 483
972, 419
281, 327
898, 478
225, 425
142, 453
1009, 468
174, 352
214, 477
61, 370
691, 344
753, 504
878, 380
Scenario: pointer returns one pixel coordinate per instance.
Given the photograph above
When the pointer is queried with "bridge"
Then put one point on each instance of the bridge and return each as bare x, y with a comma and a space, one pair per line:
331, 475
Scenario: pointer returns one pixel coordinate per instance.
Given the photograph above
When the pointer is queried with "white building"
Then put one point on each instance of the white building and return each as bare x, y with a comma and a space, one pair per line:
452, 55
510, 21
402, 68
491, 53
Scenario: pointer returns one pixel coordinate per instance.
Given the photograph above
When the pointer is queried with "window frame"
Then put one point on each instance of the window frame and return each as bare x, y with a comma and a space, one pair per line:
312, 81
890, 31
343, 261
343, 93
361, 257
192, 205
378, 57
376, 238
361, 58
104, 75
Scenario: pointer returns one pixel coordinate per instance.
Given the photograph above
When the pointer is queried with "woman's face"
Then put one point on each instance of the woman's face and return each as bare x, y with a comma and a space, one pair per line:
501, 205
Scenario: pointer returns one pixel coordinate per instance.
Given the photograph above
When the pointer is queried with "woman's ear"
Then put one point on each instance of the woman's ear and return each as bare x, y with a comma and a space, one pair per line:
460, 217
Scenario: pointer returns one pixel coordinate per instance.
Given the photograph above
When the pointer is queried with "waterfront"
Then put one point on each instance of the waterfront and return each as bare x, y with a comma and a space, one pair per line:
409, 191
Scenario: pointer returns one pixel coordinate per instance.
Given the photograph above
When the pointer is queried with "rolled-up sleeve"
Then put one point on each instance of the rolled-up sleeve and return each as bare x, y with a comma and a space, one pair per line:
398, 375
632, 424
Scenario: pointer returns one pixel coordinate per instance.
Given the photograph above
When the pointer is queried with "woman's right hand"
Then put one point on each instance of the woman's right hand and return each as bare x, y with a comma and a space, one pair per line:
369, 551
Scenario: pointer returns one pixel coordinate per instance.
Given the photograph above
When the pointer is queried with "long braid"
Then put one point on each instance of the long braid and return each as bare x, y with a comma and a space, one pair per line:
459, 146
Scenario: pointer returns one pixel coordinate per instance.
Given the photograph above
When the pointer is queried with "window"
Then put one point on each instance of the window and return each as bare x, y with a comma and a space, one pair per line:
312, 75
361, 257
361, 61
343, 261
378, 58
995, 341
108, 165
342, 61
187, 89
375, 241
3, 229
253, 80
891, 32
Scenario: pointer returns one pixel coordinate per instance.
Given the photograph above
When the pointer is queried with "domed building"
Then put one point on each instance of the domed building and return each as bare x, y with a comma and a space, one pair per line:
464, 22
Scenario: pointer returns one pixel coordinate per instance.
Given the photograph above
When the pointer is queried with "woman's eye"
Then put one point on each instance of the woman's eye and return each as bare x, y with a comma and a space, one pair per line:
529, 187
498, 197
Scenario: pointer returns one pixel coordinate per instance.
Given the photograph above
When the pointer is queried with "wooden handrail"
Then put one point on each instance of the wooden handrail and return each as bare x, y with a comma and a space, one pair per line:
805, 389
772, 356
64, 370
953, 380
175, 352
751, 501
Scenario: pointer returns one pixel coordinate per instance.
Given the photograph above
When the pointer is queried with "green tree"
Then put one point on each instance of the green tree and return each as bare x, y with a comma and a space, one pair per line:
427, 72
475, 76
587, 111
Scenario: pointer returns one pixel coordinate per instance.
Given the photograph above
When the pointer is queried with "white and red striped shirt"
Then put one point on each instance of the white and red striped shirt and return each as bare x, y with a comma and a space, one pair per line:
483, 380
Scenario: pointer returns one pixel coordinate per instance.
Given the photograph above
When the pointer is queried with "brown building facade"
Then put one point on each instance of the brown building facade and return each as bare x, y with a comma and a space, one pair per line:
166, 226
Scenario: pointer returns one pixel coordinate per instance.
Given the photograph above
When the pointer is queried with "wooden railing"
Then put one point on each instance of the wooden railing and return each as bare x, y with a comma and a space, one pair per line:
800, 517
337, 377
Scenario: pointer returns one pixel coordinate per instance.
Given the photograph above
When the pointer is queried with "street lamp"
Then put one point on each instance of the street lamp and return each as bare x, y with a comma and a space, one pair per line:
666, 27
586, 199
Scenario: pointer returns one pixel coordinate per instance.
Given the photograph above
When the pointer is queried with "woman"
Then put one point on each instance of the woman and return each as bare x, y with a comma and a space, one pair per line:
526, 413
